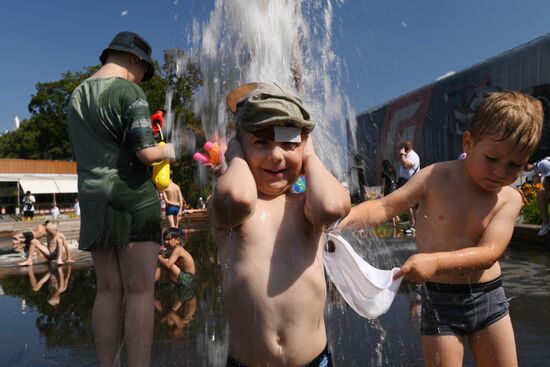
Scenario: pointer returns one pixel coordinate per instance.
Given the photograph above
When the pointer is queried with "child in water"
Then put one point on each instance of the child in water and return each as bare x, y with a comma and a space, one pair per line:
175, 261
465, 219
270, 242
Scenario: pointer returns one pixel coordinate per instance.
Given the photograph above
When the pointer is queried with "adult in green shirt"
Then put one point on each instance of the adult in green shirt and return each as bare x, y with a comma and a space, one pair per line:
113, 145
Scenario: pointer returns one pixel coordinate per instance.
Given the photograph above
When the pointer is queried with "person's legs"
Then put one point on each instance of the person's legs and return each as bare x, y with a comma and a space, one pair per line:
171, 220
174, 273
59, 253
34, 246
443, 350
137, 266
107, 312
412, 213
495, 346
543, 198
177, 218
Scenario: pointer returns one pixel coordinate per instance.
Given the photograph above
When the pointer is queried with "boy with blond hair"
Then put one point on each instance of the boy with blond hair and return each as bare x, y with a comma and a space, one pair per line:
466, 216
269, 240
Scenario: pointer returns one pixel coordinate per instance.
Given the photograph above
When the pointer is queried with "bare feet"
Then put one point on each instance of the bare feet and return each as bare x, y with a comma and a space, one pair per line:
25, 263
60, 263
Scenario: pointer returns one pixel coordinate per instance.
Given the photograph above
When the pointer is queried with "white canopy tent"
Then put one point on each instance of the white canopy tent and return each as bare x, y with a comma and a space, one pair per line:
42, 183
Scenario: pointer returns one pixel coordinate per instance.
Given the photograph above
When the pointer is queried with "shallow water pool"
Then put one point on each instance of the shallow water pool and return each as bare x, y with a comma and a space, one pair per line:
38, 332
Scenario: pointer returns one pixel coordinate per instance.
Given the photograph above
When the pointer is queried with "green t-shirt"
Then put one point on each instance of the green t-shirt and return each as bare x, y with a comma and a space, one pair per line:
108, 121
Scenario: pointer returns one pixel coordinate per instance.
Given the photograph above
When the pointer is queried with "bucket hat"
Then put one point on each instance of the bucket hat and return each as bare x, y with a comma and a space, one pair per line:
259, 105
134, 44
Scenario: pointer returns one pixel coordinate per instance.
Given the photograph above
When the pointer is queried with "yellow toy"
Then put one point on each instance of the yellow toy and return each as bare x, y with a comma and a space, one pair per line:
161, 170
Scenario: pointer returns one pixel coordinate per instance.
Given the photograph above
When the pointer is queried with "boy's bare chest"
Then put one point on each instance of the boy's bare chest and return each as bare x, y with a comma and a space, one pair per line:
460, 219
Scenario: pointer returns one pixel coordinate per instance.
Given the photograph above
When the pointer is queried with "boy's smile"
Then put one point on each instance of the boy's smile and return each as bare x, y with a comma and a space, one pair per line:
493, 164
275, 166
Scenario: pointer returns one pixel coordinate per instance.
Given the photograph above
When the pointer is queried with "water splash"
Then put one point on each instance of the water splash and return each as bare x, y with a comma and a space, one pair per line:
288, 42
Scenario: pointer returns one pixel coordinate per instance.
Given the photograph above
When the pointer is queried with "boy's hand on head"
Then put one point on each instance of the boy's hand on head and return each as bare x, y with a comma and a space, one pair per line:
309, 149
419, 268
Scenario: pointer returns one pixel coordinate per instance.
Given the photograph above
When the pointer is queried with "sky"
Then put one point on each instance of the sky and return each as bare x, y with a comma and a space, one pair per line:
387, 47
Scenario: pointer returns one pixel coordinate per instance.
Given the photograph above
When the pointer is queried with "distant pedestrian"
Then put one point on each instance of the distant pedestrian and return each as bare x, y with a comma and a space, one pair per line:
542, 170
76, 207
410, 164
54, 211
28, 206
389, 183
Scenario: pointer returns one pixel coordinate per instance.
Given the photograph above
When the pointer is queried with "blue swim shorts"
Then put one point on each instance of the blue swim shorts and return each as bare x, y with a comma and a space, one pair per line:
461, 309
172, 210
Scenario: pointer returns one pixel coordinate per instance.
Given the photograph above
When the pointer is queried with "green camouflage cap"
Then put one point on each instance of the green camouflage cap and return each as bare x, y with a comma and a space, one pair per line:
260, 105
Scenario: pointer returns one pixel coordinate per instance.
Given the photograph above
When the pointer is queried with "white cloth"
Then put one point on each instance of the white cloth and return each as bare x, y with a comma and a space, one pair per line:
412, 157
369, 291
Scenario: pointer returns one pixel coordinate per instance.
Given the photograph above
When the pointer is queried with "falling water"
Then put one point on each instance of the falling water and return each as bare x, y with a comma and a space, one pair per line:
288, 42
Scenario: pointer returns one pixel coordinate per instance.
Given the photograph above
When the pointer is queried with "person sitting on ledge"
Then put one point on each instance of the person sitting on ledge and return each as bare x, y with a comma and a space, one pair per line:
56, 243
22, 241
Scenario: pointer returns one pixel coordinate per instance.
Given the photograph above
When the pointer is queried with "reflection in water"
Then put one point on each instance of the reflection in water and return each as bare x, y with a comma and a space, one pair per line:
191, 329
57, 281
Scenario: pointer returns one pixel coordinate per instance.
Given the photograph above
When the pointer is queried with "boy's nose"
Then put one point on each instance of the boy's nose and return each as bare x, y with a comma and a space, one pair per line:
500, 172
277, 154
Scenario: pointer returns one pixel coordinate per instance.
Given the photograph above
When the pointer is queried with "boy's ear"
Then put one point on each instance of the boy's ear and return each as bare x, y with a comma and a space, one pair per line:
134, 60
467, 142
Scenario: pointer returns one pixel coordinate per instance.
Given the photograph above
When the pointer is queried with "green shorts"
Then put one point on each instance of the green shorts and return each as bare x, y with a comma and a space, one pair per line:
132, 214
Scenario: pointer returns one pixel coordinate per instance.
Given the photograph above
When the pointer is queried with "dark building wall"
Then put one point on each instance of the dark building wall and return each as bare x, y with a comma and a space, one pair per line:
434, 117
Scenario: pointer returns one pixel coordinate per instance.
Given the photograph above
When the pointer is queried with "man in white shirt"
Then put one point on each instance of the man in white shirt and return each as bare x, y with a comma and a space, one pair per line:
54, 211
410, 164
28, 206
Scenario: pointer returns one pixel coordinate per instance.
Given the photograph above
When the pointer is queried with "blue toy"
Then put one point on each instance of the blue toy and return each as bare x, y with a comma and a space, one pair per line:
299, 186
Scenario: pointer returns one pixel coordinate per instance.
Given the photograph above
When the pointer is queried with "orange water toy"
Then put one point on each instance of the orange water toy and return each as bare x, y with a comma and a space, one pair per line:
213, 157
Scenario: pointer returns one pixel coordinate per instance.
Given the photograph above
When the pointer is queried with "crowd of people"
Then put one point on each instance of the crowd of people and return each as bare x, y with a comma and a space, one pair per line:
271, 241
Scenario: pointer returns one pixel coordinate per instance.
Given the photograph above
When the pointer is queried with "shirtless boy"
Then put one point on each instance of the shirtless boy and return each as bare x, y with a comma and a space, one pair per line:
269, 240
22, 241
176, 261
56, 243
174, 203
465, 219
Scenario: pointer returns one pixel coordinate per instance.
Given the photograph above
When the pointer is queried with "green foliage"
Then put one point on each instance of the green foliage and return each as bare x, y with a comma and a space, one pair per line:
531, 212
44, 134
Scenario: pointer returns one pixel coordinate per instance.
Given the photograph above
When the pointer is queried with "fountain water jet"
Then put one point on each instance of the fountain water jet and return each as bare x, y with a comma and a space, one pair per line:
288, 42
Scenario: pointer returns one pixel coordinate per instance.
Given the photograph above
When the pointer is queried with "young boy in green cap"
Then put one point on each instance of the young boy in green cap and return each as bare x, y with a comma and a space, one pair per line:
269, 240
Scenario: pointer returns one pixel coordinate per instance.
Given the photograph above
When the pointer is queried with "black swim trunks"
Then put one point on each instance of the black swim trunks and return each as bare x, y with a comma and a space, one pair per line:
28, 238
461, 309
322, 360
